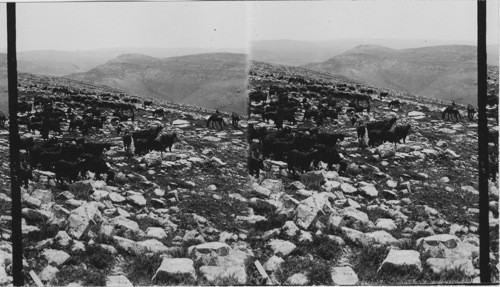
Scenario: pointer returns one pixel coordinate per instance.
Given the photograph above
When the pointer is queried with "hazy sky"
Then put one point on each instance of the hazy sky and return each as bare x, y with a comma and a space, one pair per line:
324, 20
80, 26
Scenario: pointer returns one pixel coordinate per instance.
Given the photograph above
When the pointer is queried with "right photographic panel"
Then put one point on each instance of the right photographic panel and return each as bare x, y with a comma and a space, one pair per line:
363, 141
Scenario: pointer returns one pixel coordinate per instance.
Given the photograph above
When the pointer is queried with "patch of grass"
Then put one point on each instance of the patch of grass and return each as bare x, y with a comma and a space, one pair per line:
367, 260
87, 277
99, 257
222, 212
45, 231
272, 222
322, 247
317, 271
449, 276
293, 265
320, 274
141, 269
449, 205
145, 222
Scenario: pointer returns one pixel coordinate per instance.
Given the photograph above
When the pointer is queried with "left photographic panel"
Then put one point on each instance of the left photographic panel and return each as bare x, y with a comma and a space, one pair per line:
132, 126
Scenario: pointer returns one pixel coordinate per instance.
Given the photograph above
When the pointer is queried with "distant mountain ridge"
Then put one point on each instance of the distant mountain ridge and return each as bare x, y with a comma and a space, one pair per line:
446, 73
297, 53
212, 81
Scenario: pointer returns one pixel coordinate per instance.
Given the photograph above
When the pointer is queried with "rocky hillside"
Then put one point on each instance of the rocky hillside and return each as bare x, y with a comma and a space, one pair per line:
400, 214
404, 214
96, 233
213, 81
445, 73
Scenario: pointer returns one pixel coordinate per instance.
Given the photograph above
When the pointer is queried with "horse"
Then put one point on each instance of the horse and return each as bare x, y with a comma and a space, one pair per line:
450, 111
216, 120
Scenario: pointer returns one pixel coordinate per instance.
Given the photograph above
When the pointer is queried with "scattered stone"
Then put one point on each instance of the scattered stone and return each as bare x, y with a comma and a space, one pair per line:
118, 281
402, 260
344, 276
282, 247
273, 264
56, 257
298, 279
175, 268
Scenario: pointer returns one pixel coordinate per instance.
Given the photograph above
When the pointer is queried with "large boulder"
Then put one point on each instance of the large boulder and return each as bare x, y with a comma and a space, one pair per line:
441, 265
386, 150
152, 159
273, 185
282, 247
218, 274
308, 209
402, 260
435, 245
178, 268
82, 218
81, 189
118, 281
313, 177
382, 237
56, 257
344, 276
352, 214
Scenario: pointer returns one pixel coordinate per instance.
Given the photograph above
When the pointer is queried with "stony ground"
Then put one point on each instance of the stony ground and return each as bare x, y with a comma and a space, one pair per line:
400, 215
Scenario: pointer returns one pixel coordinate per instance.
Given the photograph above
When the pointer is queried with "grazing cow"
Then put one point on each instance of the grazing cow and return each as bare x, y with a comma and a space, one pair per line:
127, 141
254, 166
256, 133
148, 134
25, 175
47, 158
384, 125
3, 118
394, 103
330, 156
96, 165
493, 165
159, 113
301, 160
96, 148
216, 120
76, 123
118, 129
493, 137
492, 113
375, 137
449, 112
67, 170
235, 118
147, 103
401, 132
361, 131
329, 139
141, 146
470, 112
167, 140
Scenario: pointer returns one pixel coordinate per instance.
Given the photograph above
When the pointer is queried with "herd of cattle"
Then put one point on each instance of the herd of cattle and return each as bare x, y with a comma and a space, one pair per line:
71, 155
297, 99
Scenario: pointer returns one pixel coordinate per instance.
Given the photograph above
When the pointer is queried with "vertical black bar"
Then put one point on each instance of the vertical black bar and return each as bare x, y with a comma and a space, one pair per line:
17, 247
484, 228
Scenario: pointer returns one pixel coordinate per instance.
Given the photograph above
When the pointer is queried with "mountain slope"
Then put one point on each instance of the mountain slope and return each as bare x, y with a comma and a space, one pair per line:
296, 53
213, 81
441, 72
